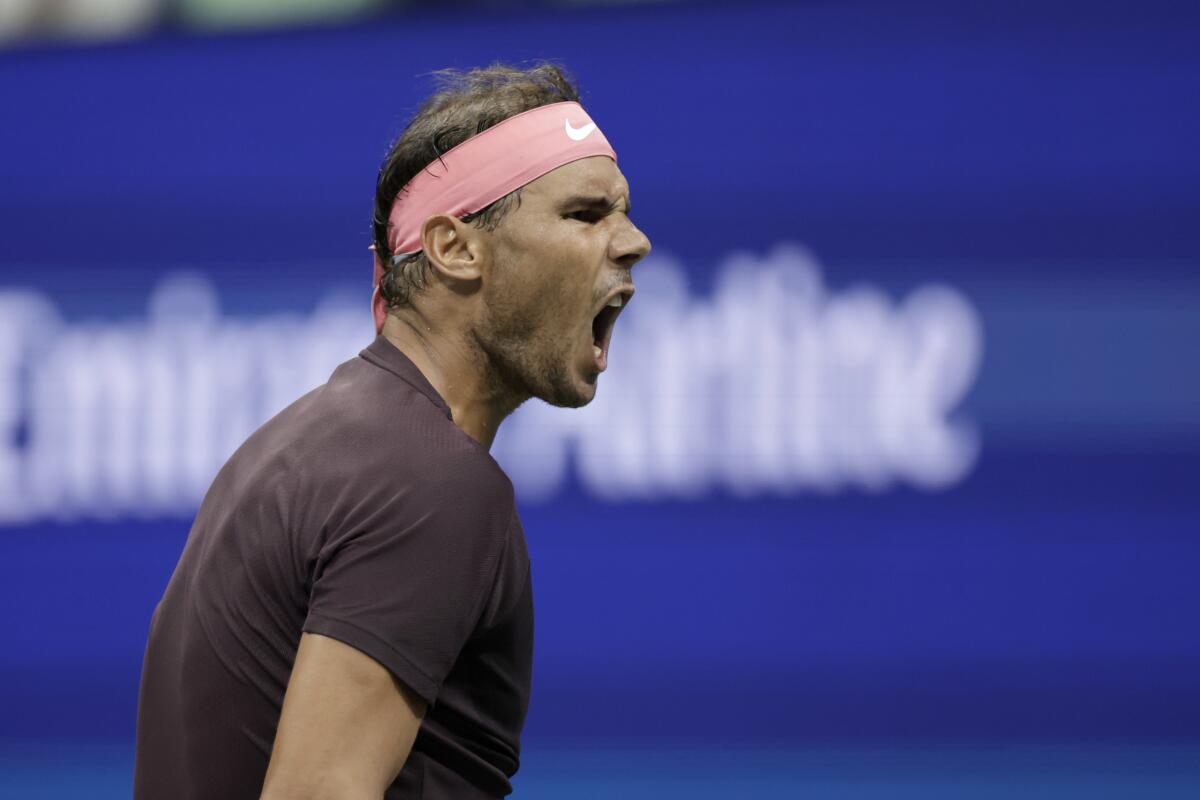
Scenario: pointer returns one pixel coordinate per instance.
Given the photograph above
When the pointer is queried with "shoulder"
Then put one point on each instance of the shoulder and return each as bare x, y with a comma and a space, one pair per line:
382, 438
367, 435
466, 484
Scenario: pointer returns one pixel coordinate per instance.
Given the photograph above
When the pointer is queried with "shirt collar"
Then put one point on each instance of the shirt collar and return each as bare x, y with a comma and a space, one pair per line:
386, 355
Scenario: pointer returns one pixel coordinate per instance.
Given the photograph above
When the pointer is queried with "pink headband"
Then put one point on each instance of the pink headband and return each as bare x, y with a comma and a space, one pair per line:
485, 168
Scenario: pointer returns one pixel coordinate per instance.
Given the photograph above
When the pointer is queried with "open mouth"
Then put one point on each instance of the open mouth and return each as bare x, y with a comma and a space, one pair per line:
602, 328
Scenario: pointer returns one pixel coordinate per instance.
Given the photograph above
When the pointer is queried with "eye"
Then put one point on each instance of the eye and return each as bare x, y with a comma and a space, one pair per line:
590, 216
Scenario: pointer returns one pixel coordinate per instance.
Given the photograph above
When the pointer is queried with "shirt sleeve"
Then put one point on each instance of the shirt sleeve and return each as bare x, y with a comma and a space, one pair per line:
410, 582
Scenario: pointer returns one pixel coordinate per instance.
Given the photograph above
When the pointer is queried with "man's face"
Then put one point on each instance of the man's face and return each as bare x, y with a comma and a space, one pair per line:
558, 259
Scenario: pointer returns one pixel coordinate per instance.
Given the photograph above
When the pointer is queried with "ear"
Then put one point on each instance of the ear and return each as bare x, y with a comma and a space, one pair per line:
453, 247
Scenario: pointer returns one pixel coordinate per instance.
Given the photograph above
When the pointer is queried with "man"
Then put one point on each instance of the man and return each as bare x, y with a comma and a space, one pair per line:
352, 613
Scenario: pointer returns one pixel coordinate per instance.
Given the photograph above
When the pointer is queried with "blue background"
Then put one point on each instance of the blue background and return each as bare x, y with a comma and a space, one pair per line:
1030, 630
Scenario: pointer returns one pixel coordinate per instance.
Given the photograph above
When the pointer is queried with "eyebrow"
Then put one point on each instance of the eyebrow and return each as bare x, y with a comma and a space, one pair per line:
599, 202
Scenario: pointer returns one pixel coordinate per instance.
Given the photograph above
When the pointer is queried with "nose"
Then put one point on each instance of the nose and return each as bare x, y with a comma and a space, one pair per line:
629, 245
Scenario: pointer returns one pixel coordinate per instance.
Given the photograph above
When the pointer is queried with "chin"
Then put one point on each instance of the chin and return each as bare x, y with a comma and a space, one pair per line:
567, 390
572, 398
560, 379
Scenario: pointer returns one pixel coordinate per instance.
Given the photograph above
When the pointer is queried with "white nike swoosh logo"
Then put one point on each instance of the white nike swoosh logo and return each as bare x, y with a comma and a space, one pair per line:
579, 134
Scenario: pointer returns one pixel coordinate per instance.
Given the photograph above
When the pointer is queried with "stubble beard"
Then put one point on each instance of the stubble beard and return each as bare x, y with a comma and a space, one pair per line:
523, 362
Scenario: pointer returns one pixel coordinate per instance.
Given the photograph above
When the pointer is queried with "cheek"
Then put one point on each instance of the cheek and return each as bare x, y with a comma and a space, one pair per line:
525, 304
557, 307
547, 290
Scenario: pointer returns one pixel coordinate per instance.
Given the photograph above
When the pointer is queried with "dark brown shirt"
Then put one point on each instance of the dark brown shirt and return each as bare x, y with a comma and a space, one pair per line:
360, 512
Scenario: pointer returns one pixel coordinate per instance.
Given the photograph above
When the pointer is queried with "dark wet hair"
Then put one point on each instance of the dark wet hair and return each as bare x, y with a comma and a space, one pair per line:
466, 103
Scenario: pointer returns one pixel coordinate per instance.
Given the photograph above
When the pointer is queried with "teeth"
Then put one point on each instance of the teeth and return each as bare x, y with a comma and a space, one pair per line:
597, 351
615, 302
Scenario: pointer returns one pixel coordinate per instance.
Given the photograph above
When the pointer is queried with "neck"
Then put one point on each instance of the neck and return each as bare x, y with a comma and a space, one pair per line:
458, 371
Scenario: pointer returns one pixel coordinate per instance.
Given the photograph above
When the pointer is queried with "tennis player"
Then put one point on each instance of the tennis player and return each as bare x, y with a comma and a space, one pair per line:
352, 614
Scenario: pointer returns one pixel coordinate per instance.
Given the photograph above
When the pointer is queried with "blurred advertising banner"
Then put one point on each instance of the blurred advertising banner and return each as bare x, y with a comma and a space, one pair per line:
774, 384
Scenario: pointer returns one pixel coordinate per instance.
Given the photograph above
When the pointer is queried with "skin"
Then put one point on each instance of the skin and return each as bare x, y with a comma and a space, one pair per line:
506, 316
346, 727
